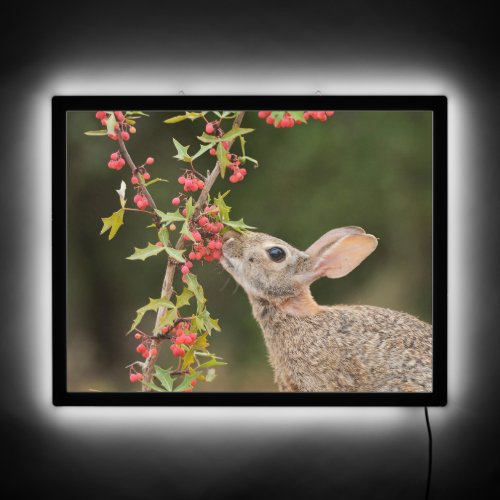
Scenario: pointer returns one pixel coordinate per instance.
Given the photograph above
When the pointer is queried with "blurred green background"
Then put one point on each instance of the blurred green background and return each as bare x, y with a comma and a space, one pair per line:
369, 169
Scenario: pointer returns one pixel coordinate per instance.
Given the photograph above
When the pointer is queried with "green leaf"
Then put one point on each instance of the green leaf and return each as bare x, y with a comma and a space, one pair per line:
110, 124
169, 217
203, 149
144, 253
163, 236
185, 230
212, 362
130, 121
189, 207
298, 115
138, 113
224, 209
253, 160
196, 288
209, 323
184, 298
210, 375
164, 378
154, 181
154, 305
179, 118
181, 151
228, 136
97, 132
175, 254
113, 223
222, 158
153, 386
186, 383
201, 342
198, 323
238, 225
242, 142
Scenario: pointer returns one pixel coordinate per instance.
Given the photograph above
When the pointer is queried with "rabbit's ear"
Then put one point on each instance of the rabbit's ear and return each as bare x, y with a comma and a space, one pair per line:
331, 237
344, 255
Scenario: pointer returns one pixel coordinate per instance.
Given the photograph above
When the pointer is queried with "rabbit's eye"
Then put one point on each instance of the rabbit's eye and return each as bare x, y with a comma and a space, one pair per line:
277, 254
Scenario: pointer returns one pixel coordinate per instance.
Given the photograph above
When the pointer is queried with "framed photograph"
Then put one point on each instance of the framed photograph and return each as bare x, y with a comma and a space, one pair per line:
250, 250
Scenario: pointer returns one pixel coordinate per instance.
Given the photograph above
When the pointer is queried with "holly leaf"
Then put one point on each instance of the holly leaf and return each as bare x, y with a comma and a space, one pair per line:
154, 305
185, 230
184, 298
103, 131
135, 114
298, 115
163, 236
196, 288
175, 254
203, 149
228, 136
224, 209
212, 362
181, 151
164, 377
113, 223
153, 386
169, 217
110, 124
186, 382
222, 158
179, 118
144, 253
189, 207
238, 225
209, 323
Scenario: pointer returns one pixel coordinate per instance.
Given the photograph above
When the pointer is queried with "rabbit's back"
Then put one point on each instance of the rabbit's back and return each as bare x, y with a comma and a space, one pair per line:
348, 349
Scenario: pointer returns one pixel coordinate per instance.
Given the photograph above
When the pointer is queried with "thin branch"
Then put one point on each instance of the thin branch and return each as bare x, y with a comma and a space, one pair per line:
166, 289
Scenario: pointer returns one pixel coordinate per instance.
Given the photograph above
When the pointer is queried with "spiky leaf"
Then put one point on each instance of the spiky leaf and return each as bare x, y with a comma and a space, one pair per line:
144, 253
164, 377
181, 151
169, 217
238, 225
113, 223
154, 305
184, 298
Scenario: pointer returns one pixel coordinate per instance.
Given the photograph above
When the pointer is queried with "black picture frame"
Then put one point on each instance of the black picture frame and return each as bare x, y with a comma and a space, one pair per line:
436, 104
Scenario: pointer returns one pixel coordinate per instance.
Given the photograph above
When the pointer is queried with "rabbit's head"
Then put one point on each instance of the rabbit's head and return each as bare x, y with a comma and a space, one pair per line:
271, 269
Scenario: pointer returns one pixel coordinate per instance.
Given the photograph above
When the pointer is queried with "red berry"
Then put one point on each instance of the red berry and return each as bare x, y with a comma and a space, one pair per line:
232, 179
146, 176
200, 183
217, 254
114, 156
113, 136
159, 244
137, 197
198, 255
141, 348
153, 351
184, 212
125, 136
100, 115
213, 152
138, 376
134, 180
145, 354
192, 256
137, 336
132, 130
211, 245
329, 113
150, 160
121, 163
270, 120
181, 179
176, 201
184, 269
145, 202
193, 382
188, 390
119, 116
189, 264
218, 245
164, 329
209, 128
225, 144
263, 114
202, 221
140, 204
133, 377
243, 171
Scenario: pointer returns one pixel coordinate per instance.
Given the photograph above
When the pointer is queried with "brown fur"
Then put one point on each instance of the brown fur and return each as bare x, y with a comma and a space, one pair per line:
319, 348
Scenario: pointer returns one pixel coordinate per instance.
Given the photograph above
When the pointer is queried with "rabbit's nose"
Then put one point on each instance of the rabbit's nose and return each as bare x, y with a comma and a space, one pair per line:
228, 235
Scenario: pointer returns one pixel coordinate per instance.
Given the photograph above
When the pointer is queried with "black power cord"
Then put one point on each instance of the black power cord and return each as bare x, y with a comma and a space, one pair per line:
429, 470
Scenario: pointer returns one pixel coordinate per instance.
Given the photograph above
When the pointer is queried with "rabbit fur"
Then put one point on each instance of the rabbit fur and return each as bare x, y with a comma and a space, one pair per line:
342, 348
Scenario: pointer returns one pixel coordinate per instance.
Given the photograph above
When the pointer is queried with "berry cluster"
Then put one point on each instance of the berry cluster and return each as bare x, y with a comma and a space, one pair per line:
116, 162
190, 182
238, 172
135, 377
182, 338
121, 126
144, 348
141, 201
288, 121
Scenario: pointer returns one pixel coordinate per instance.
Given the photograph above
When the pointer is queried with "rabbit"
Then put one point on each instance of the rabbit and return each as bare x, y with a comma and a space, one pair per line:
342, 348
